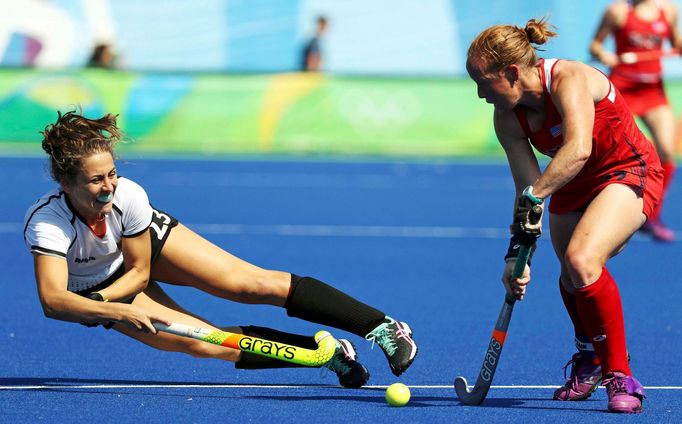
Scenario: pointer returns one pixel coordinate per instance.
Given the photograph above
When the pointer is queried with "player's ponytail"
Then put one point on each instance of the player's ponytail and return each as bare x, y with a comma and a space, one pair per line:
539, 31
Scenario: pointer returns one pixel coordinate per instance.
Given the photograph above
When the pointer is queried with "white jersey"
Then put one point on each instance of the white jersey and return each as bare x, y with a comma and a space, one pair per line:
53, 227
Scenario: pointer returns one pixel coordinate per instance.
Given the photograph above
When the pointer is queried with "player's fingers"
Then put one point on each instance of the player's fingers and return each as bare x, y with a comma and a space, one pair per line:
156, 318
147, 325
522, 281
518, 288
518, 292
135, 325
507, 285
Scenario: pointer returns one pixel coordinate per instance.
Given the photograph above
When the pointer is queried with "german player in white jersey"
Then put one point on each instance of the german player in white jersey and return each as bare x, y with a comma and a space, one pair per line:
100, 251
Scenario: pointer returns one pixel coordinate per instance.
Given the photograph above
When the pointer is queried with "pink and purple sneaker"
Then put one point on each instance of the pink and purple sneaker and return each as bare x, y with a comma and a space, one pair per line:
625, 393
658, 231
584, 379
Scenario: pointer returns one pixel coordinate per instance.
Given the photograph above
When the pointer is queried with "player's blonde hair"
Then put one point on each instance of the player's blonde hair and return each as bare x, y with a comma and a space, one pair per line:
502, 45
73, 138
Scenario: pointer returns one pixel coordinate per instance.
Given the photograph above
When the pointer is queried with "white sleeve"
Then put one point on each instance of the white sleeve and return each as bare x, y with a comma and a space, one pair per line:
135, 208
48, 234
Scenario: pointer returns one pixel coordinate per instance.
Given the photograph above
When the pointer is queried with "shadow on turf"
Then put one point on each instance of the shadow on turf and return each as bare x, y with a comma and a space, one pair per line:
523, 403
360, 395
415, 401
72, 385
66, 382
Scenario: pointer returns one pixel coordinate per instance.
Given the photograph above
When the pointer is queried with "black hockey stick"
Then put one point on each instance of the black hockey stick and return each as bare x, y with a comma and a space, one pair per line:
492, 356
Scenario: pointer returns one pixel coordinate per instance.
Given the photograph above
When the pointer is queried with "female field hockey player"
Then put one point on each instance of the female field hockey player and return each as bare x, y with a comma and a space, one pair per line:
100, 250
604, 178
641, 27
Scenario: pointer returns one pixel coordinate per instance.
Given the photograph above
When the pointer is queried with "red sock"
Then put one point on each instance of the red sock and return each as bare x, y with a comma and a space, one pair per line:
601, 313
569, 303
668, 174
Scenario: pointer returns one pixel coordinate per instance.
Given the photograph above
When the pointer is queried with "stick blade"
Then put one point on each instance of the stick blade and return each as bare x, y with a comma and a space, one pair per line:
466, 397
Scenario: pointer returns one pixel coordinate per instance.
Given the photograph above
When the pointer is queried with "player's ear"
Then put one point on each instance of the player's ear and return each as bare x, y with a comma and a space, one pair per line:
512, 73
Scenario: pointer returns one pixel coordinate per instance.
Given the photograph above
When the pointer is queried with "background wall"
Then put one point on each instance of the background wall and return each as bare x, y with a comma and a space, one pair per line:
365, 36
218, 76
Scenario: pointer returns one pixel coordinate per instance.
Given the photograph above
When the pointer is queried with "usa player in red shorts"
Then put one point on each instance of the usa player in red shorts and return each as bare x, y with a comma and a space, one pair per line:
642, 27
604, 179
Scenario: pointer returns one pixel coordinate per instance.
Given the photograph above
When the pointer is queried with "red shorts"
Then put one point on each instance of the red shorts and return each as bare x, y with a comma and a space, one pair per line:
576, 199
641, 97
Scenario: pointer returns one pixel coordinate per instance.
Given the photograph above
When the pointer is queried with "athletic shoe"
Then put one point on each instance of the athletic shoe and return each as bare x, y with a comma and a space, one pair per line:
658, 231
625, 393
351, 373
395, 339
584, 379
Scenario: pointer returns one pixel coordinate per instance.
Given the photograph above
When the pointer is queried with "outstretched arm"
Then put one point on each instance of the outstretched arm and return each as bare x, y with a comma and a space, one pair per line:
52, 278
610, 22
672, 17
523, 164
525, 171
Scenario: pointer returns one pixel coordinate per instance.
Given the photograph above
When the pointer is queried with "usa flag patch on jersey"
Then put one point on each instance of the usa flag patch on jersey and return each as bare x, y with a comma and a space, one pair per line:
555, 130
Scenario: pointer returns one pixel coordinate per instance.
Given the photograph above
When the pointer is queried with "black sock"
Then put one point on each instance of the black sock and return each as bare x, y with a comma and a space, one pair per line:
315, 301
251, 361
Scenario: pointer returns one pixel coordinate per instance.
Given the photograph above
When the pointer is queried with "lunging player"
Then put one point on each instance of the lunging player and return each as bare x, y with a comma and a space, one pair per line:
99, 249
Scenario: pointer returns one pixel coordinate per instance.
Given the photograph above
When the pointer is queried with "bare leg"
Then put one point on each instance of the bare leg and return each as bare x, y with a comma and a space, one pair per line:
661, 123
189, 259
601, 232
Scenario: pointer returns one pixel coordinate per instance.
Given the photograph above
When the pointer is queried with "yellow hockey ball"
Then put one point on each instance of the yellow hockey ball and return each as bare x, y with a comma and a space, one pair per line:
397, 394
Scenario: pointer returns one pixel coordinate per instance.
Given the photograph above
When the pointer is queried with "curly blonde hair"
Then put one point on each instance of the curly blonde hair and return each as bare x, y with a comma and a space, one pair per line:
73, 138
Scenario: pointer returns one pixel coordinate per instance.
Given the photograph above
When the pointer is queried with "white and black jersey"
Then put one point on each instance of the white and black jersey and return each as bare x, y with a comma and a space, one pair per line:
53, 227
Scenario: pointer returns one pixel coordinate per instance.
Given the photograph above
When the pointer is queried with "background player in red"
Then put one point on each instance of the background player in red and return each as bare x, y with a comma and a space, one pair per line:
643, 26
604, 178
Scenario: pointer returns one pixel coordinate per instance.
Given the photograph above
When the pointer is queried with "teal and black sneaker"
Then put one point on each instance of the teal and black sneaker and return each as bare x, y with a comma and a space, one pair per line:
352, 374
395, 339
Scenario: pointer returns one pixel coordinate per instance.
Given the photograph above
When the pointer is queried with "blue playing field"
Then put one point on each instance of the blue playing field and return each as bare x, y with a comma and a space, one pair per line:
422, 241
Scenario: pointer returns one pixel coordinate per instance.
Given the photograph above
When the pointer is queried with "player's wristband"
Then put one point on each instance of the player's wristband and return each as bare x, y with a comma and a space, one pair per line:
528, 194
97, 296
513, 249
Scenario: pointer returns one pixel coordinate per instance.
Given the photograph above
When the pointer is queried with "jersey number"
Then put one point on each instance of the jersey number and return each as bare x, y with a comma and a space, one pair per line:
164, 220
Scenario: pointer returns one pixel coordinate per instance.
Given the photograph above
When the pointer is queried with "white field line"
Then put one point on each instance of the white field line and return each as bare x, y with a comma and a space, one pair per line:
296, 230
327, 230
267, 386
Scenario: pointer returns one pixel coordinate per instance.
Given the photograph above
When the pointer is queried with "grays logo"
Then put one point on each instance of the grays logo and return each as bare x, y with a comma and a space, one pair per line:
491, 358
599, 338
